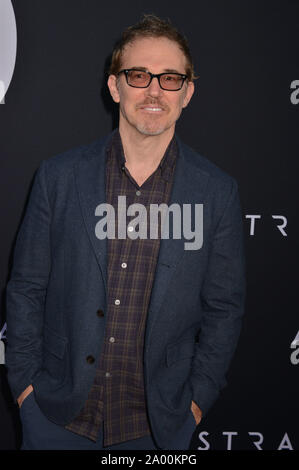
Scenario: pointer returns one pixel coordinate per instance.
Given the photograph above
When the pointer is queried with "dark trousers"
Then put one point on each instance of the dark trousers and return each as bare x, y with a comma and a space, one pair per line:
39, 433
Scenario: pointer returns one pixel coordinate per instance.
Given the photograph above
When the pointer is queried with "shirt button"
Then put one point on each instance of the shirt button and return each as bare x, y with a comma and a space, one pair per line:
117, 301
90, 359
100, 313
138, 193
111, 339
130, 228
107, 374
124, 265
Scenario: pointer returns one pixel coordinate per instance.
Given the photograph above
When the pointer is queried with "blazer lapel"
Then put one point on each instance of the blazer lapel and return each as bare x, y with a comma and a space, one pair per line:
90, 176
189, 186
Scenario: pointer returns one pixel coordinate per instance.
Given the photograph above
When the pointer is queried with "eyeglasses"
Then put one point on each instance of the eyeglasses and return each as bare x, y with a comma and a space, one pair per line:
141, 79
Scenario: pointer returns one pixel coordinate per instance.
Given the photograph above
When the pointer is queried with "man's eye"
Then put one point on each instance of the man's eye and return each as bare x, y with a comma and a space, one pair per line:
138, 75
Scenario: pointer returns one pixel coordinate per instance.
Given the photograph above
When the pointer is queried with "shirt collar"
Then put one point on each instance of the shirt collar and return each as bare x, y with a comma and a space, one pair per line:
166, 164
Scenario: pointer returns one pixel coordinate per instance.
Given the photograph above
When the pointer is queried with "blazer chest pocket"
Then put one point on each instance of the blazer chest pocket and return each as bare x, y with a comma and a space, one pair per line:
178, 351
54, 353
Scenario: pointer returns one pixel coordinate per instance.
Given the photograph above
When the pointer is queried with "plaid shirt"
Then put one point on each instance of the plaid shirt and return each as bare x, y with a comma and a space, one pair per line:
117, 397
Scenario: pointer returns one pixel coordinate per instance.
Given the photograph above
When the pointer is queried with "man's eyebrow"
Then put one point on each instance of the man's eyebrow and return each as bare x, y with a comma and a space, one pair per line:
165, 70
171, 71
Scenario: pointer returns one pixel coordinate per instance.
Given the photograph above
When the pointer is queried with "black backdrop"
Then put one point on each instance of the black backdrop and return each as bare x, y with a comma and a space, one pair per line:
243, 117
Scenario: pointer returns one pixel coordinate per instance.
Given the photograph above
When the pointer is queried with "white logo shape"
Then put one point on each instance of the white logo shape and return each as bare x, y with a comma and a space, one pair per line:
8, 45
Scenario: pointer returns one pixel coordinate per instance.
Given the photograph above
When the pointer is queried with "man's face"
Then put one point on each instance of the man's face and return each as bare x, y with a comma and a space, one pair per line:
156, 55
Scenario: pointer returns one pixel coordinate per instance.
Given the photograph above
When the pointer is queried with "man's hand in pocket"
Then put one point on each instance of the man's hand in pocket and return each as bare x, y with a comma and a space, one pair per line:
197, 413
24, 394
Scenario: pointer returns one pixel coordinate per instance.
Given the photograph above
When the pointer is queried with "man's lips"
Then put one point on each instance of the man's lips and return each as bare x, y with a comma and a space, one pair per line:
152, 108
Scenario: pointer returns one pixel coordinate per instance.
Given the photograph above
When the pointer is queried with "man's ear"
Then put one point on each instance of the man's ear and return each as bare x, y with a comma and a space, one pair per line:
189, 93
112, 85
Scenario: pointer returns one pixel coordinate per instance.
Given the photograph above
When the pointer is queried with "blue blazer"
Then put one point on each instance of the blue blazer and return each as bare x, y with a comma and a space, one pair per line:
58, 283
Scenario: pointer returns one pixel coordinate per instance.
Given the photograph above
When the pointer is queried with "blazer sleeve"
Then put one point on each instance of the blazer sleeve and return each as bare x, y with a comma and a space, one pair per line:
222, 299
26, 289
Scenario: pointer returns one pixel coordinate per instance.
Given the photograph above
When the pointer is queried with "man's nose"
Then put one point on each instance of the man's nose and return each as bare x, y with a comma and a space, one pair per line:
154, 88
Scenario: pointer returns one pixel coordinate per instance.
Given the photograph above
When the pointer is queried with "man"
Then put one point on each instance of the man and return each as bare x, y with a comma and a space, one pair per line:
123, 342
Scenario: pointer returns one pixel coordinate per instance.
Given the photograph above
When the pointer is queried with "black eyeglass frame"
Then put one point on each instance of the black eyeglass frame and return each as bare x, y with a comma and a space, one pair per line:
153, 75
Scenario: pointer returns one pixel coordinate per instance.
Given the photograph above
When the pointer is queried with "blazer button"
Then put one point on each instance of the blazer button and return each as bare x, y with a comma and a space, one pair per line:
90, 359
100, 313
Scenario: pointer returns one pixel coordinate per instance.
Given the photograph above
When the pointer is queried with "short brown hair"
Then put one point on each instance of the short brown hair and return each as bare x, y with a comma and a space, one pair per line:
151, 26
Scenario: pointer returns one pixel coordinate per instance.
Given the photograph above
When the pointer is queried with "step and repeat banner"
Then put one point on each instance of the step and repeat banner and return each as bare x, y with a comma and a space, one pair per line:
243, 116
